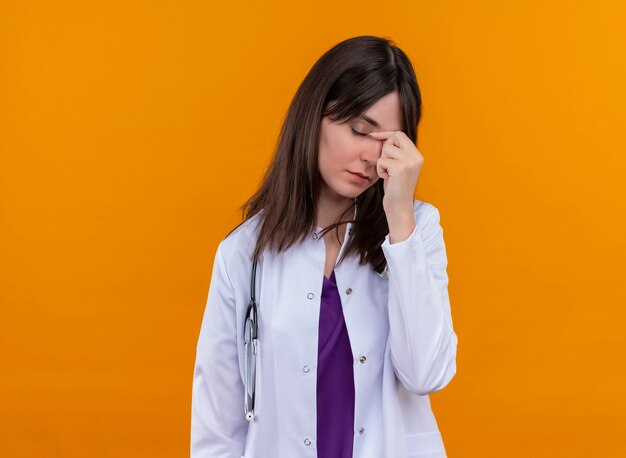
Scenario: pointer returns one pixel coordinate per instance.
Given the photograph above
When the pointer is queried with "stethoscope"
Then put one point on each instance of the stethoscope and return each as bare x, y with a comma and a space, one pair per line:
250, 336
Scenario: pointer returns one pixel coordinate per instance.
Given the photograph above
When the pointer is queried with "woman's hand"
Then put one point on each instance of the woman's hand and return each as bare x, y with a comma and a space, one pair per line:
399, 166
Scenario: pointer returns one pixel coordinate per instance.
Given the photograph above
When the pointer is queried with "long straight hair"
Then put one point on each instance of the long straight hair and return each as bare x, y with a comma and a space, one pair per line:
345, 81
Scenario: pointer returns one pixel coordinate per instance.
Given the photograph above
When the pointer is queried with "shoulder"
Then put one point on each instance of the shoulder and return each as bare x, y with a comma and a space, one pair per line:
240, 243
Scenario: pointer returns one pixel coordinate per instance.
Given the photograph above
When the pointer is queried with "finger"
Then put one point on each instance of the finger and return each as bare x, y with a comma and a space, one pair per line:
395, 137
391, 151
382, 135
382, 167
404, 140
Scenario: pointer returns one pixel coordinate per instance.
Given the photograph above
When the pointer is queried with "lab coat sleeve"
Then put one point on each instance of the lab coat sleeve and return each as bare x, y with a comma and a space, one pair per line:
218, 426
422, 340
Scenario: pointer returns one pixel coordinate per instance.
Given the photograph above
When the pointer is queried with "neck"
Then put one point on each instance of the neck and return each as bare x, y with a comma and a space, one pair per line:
330, 207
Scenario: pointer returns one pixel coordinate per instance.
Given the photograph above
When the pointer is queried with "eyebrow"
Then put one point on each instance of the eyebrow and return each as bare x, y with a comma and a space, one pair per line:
369, 120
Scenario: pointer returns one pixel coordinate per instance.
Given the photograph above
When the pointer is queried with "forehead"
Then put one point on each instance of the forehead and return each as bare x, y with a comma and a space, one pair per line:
385, 114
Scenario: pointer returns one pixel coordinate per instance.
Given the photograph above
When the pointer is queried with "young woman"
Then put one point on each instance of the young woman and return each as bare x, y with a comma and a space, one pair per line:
353, 314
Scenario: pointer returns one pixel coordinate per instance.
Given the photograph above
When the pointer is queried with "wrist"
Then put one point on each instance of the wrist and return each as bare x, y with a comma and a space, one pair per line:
401, 226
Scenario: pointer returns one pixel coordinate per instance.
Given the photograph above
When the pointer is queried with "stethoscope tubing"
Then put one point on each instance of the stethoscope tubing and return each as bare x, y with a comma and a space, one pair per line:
250, 336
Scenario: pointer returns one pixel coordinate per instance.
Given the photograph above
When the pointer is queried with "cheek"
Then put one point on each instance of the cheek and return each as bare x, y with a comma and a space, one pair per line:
337, 151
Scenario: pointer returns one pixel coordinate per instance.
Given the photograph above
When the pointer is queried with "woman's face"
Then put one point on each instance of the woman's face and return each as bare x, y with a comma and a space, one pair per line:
346, 149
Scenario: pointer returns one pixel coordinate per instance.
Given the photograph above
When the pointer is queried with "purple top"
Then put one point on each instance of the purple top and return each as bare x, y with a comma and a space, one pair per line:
335, 378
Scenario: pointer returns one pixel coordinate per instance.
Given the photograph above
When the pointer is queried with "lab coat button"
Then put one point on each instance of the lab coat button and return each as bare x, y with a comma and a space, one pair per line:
306, 369
310, 296
361, 430
307, 441
362, 359
349, 291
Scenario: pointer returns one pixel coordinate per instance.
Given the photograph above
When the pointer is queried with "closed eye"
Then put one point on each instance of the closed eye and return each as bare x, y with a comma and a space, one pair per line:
356, 132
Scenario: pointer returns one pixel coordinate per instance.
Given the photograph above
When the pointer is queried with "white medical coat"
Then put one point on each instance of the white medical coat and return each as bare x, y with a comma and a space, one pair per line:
400, 330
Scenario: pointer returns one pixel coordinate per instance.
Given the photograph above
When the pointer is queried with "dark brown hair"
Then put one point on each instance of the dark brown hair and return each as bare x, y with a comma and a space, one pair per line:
342, 84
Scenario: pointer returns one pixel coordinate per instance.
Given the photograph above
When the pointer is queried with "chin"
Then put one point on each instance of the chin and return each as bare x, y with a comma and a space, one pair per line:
349, 192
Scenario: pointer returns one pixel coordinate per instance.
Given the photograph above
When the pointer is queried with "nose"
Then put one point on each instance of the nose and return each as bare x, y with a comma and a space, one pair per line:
372, 151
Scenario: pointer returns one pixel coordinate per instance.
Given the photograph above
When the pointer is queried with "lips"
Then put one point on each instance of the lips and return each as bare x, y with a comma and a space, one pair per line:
360, 175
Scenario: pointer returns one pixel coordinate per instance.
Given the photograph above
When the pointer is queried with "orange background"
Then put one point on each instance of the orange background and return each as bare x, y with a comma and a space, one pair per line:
130, 132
